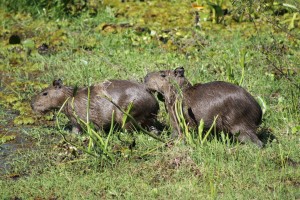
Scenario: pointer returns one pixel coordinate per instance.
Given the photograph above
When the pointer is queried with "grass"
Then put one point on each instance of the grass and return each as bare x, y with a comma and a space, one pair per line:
82, 53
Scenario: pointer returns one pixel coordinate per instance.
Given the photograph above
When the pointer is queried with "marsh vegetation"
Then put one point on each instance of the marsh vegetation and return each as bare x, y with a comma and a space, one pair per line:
254, 44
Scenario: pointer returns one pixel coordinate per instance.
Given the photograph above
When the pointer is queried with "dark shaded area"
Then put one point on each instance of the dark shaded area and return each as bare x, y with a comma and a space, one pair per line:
14, 39
43, 49
266, 135
160, 97
191, 115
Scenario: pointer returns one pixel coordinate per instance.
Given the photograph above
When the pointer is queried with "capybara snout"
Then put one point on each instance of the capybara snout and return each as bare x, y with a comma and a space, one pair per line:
51, 98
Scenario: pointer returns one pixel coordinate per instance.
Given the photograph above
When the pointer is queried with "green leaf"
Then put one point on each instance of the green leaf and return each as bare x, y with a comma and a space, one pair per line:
29, 44
292, 23
6, 138
23, 120
11, 98
296, 129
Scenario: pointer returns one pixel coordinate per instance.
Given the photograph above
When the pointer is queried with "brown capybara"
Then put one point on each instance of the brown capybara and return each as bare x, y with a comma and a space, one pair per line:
122, 92
236, 110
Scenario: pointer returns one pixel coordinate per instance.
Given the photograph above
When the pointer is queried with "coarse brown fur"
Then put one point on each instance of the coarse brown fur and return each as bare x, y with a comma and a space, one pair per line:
236, 110
121, 92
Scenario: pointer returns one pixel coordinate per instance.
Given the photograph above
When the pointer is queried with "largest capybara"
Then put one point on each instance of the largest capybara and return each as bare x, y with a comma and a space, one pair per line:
236, 110
121, 92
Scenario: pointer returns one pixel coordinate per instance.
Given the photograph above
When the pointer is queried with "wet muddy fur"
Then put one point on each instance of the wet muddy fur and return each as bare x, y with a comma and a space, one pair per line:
121, 92
238, 112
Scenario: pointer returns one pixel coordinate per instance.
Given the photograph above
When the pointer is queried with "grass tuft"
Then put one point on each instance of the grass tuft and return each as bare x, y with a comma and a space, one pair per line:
254, 44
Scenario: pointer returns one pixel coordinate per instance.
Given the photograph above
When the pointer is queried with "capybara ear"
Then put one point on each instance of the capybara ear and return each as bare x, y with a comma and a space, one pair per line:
179, 72
57, 83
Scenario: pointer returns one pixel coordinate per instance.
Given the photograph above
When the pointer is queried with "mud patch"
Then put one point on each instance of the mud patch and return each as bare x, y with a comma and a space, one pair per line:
13, 141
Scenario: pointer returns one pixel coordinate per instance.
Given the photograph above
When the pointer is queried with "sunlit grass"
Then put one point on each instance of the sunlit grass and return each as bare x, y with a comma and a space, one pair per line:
214, 168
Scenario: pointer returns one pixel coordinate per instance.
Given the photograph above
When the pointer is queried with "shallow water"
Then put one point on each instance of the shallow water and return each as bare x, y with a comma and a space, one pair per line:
11, 148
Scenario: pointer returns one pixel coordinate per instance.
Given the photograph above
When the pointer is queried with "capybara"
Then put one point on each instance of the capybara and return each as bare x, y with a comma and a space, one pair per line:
122, 92
236, 110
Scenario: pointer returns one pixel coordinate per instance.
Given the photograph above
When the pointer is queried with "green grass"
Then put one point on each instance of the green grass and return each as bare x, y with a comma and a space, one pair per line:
82, 53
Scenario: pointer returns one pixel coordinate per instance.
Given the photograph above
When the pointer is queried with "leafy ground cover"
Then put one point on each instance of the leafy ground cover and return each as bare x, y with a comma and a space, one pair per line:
253, 45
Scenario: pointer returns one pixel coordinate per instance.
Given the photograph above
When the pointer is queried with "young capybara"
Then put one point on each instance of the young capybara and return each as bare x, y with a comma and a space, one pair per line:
236, 110
121, 92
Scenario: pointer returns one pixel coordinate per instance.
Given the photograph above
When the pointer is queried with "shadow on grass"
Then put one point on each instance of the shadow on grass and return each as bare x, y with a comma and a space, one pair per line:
266, 136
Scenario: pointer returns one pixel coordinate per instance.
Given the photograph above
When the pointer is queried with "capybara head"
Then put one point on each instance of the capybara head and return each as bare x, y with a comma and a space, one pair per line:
166, 81
50, 98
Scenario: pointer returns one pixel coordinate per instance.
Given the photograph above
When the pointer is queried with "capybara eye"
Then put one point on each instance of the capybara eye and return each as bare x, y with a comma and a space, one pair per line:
45, 93
163, 75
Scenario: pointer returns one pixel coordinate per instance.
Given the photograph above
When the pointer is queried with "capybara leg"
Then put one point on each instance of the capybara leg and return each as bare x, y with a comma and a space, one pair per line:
129, 126
256, 140
250, 137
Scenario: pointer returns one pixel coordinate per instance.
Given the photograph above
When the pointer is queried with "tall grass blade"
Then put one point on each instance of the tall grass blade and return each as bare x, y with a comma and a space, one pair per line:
200, 131
125, 116
262, 104
213, 126
110, 130
243, 53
